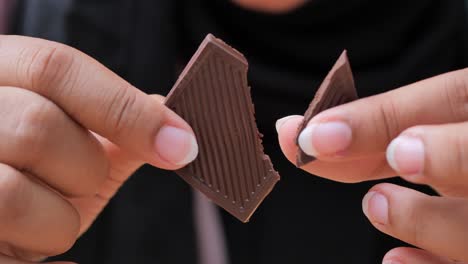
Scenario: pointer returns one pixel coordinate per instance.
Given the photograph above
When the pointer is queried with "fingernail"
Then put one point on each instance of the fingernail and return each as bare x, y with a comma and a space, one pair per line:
375, 207
176, 145
405, 155
325, 138
280, 122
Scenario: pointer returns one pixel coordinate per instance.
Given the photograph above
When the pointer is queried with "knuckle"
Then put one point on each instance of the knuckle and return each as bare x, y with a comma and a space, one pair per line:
456, 93
23, 254
63, 237
14, 196
68, 236
48, 65
417, 224
460, 143
445, 165
453, 165
388, 117
124, 112
63, 247
33, 129
17, 201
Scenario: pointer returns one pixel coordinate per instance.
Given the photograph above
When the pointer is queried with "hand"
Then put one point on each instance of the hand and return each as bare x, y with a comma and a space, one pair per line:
419, 132
55, 174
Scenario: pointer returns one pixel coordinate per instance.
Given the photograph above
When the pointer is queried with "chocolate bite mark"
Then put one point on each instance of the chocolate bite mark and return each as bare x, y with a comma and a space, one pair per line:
337, 88
213, 96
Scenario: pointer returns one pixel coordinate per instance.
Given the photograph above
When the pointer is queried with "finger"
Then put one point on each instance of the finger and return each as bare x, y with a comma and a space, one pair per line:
413, 256
38, 137
33, 218
98, 99
12, 254
433, 155
435, 224
10, 260
368, 125
122, 165
350, 171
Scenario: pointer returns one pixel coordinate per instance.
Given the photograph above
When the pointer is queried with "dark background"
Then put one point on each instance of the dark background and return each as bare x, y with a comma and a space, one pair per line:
306, 219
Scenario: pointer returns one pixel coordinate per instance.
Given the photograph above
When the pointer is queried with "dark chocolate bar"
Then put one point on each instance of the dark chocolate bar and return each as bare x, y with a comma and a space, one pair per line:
337, 88
213, 96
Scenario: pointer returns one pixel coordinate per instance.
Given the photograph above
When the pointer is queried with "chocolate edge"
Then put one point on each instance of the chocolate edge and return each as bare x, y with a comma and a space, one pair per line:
272, 176
341, 63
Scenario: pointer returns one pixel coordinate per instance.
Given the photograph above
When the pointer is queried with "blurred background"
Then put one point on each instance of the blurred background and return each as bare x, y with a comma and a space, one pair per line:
155, 218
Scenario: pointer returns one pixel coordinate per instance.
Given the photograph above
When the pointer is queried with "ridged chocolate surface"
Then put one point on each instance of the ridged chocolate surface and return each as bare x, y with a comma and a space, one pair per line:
212, 95
337, 88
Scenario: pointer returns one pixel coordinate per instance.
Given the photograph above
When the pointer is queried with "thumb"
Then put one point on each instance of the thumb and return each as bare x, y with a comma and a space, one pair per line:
365, 127
98, 99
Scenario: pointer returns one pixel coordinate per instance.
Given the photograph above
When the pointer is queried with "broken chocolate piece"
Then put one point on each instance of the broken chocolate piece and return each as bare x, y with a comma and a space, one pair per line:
212, 95
337, 88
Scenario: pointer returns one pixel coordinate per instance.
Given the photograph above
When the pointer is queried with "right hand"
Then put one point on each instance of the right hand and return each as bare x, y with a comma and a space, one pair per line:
418, 132
71, 132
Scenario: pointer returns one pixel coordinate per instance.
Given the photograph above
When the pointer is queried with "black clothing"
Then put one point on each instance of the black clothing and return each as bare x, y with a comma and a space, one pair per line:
306, 219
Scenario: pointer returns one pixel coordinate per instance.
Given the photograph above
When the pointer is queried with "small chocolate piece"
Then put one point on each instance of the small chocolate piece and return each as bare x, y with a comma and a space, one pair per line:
212, 95
337, 88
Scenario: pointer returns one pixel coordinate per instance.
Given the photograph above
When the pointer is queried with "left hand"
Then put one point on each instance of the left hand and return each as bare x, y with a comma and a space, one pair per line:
71, 133
419, 132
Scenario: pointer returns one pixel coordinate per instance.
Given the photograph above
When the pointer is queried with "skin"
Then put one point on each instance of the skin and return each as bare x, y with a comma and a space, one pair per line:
71, 133
55, 174
271, 6
432, 113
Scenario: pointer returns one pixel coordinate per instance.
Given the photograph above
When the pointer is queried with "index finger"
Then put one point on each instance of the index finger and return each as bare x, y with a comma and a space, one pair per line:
367, 126
98, 99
